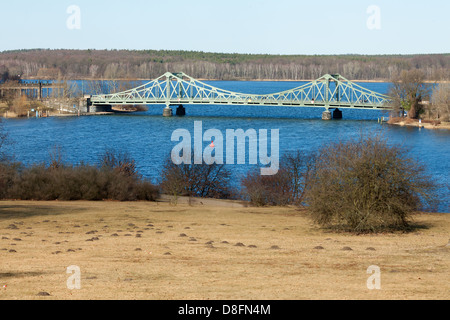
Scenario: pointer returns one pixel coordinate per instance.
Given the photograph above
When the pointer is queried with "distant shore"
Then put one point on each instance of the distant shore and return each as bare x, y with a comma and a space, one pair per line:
205, 79
210, 66
237, 79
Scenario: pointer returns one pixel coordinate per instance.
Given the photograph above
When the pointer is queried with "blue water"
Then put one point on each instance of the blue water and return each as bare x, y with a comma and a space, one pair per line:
146, 136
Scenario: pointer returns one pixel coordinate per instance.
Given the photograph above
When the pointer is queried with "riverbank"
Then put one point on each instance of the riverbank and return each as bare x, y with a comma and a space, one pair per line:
58, 113
426, 124
62, 115
199, 251
11, 115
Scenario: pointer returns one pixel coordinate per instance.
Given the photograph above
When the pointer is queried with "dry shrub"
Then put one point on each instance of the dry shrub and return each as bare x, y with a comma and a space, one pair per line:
3, 141
8, 173
433, 122
440, 102
287, 187
58, 181
196, 180
120, 162
393, 120
368, 186
275, 190
20, 106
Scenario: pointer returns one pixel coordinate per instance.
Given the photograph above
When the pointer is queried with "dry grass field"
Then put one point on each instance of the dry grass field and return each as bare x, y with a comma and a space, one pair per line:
211, 250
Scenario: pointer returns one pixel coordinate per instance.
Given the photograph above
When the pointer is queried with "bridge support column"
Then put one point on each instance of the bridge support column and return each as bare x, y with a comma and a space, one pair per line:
88, 105
168, 112
326, 115
181, 111
102, 108
337, 114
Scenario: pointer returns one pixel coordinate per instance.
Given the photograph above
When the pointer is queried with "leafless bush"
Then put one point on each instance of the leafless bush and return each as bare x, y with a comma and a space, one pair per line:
56, 157
287, 187
120, 162
8, 173
268, 190
440, 103
202, 180
114, 180
3, 137
368, 186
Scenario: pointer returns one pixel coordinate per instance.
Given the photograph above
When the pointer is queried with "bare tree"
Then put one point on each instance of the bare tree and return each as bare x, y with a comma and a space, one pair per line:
94, 87
408, 90
121, 162
440, 102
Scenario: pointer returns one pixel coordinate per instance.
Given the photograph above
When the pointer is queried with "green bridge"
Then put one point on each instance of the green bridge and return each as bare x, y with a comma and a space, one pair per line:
178, 89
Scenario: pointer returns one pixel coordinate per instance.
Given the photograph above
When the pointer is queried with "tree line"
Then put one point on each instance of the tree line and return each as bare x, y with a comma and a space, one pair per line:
149, 64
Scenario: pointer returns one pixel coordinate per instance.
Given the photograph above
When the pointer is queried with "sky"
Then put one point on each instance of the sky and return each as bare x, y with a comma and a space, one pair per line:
230, 26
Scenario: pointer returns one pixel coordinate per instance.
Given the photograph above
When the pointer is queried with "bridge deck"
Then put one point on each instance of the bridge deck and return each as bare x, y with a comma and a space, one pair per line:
256, 103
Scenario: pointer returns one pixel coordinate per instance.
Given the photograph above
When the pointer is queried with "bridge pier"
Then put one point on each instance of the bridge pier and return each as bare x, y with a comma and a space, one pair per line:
337, 114
181, 111
96, 108
168, 112
326, 115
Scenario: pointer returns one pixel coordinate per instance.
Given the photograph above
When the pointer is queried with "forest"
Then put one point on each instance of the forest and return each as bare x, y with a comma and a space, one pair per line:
149, 64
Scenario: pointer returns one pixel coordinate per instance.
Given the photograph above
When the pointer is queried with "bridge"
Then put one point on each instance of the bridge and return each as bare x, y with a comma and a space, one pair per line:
178, 89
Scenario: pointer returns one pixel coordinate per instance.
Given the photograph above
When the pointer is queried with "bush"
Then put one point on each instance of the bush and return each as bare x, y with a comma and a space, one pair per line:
275, 190
3, 140
368, 186
196, 180
8, 173
287, 187
83, 182
120, 162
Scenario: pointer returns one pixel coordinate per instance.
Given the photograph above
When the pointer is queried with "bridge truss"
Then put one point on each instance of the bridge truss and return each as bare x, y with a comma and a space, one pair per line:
170, 89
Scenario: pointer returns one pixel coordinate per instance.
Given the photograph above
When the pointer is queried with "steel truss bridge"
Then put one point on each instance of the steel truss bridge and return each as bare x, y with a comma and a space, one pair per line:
178, 89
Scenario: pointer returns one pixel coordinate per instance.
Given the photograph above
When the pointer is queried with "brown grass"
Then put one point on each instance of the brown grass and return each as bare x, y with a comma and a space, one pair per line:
281, 258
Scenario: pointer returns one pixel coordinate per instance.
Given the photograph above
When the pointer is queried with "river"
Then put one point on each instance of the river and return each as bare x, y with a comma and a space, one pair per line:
146, 136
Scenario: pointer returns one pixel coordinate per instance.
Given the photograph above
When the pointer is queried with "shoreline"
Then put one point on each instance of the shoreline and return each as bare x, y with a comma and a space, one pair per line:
432, 125
62, 115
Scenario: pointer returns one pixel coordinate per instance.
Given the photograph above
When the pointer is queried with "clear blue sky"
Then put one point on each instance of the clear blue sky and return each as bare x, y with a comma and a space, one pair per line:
241, 26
